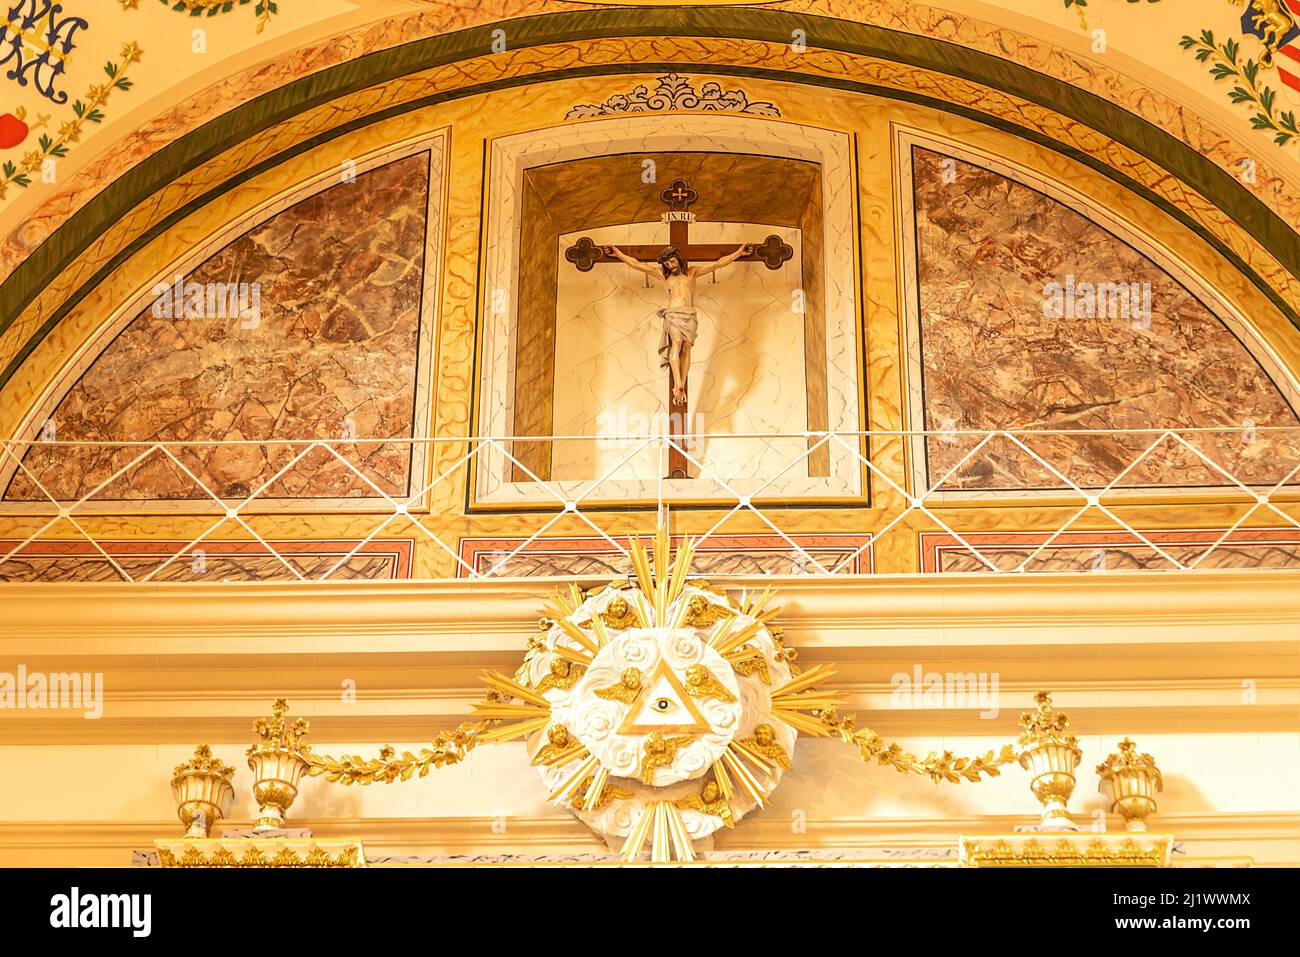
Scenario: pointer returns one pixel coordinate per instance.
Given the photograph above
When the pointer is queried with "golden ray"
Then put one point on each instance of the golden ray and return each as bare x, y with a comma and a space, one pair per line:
679, 616
801, 722
571, 783
598, 626
720, 632
560, 603
508, 710
753, 607
638, 606
681, 568
509, 732
592, 795
744, 779
810, 701
738, 637
636, 837
756, 758
661, 552
662, 575
677, 831
513, 688
563, 757
577, 634
659, 851
641, 566
724, 782
804, 680
575, 595
577, 657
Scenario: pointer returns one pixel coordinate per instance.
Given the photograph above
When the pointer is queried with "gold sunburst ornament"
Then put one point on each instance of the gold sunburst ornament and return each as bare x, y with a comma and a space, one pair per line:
657, 710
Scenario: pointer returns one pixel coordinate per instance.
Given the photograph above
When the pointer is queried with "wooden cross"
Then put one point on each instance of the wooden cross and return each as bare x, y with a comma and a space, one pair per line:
679, 198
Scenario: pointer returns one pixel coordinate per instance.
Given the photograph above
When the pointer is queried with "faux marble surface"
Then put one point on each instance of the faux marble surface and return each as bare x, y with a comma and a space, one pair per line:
218, 569
334, 355
720, 555
1130, 557
772, 562
986, 248
46, 560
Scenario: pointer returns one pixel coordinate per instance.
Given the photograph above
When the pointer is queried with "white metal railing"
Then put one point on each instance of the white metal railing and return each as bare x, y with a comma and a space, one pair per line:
55, 487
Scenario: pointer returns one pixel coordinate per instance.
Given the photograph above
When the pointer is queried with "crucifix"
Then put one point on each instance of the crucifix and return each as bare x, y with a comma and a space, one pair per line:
673, 269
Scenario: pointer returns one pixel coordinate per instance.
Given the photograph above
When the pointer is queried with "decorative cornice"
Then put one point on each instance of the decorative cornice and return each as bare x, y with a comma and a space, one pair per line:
504, 610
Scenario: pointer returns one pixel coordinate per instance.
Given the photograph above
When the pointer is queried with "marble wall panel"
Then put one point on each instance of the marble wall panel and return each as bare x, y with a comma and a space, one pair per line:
995, 261
1113, 551
331, 352
80, 561
718, 555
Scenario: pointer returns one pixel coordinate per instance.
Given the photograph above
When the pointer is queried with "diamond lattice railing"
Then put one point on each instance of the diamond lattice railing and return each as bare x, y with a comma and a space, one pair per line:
973, 492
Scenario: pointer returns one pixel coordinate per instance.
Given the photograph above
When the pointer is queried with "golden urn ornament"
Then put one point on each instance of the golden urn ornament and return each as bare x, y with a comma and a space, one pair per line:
203, 791
1050, 753
1132, 780
277, 764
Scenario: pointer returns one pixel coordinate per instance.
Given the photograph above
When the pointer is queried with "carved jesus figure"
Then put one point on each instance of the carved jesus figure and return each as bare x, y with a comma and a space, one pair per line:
681, 323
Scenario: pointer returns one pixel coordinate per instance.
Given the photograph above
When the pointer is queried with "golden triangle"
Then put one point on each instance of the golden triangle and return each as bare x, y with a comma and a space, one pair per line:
631, 725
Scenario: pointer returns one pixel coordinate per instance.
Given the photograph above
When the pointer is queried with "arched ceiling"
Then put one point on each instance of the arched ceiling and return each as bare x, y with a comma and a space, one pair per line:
1129, 53
1124, 74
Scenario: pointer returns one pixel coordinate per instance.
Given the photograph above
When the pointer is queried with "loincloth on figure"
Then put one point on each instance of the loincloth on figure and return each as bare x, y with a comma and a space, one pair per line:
682, 324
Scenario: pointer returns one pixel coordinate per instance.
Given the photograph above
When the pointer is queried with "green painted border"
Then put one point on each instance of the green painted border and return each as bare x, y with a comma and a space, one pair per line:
213, 138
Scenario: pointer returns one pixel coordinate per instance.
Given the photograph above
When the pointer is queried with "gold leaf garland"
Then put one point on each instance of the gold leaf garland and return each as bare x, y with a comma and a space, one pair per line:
448, 747
1226, 64
937, 767
87, 111
210, 8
